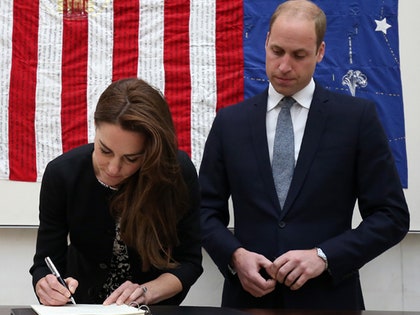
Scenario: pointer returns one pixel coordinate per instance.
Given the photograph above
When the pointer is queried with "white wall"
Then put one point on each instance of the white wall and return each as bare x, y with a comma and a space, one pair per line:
390, 282
410, 67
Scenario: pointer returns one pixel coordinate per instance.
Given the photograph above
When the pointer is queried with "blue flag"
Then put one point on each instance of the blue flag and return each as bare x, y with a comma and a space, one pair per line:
362, 59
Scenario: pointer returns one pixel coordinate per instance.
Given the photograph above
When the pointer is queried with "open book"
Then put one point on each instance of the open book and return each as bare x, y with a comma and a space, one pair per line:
89, 309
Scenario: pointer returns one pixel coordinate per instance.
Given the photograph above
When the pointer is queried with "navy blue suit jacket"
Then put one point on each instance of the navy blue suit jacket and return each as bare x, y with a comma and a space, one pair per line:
344, 158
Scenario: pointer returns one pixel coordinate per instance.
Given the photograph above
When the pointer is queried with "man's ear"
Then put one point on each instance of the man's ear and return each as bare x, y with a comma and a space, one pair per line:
266, 39
321, 52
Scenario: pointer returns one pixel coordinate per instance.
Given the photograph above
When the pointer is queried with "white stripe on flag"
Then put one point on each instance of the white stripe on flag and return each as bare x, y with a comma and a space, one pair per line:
100, 51
6, 27
203, 73
151, 32
48, 139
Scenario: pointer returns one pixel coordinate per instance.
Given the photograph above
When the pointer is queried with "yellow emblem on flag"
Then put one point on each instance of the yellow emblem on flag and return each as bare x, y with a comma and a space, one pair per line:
80, 9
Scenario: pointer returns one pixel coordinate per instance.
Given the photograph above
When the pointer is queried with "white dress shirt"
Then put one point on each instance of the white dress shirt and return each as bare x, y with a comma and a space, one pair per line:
299, 113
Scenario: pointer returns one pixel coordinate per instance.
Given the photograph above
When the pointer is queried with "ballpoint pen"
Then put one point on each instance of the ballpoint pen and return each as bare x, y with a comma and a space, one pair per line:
57, 274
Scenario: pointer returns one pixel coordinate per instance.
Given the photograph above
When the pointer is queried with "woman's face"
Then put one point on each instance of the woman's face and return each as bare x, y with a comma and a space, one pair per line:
117, 153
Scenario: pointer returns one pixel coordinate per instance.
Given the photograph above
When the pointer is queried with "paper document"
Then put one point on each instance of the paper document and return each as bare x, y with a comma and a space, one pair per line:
87, 309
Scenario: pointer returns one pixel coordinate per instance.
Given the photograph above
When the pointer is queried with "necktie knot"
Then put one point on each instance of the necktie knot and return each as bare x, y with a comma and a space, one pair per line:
287, 102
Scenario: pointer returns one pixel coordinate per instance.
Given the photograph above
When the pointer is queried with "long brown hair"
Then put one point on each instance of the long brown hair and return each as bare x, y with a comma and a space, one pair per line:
150, 203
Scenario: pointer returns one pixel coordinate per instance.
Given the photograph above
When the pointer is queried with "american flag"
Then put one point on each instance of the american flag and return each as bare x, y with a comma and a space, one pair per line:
57, 57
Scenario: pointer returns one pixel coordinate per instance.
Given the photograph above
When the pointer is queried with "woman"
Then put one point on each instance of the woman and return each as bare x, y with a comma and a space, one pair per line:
119, 217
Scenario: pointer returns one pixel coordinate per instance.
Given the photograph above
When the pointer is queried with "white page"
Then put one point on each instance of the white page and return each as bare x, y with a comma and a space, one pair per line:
87, 309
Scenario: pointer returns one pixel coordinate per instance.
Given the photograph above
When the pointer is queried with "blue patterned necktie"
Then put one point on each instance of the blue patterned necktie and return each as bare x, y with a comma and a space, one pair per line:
283, 150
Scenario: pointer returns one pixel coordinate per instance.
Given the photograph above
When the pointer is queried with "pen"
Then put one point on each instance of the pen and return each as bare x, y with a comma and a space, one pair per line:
57, 274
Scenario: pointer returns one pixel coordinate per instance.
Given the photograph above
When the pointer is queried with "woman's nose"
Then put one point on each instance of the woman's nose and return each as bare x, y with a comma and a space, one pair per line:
114, 166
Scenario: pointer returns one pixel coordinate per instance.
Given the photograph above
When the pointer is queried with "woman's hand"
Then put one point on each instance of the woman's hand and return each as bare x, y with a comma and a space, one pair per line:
163, 287
53, 293
127, 293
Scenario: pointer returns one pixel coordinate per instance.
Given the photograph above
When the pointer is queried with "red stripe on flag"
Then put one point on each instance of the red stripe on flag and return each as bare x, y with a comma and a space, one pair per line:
22, 148
229, 52
177, 68
74, 81
126, 25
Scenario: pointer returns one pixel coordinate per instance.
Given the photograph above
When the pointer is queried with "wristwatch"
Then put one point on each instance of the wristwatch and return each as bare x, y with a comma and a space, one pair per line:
232, 270
321, 254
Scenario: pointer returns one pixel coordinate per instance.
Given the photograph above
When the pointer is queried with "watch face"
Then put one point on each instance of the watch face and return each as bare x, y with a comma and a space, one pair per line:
321, 254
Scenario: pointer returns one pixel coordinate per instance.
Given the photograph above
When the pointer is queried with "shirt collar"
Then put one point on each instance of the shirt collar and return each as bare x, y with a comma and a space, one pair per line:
303, 97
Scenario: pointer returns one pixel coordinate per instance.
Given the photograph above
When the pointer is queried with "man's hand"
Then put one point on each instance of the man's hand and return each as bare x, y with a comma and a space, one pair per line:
248, 265
53, 293
296, 267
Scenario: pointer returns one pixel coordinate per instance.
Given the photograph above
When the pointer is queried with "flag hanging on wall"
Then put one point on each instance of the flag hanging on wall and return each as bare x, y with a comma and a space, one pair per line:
57, 56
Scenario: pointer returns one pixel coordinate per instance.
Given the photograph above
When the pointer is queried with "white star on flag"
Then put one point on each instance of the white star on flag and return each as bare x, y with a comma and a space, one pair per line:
382, 26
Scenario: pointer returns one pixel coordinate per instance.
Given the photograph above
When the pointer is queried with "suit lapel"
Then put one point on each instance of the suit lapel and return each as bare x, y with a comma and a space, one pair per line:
314, 128
257, 122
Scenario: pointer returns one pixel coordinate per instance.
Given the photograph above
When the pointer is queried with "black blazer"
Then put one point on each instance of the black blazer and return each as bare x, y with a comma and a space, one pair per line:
74, 207
344, 157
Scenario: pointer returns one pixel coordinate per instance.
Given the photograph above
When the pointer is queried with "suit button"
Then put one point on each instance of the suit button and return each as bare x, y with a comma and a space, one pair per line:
103, 266
282, 224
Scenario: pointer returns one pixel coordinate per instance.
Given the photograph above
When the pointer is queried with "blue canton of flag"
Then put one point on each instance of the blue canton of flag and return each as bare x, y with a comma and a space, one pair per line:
362, 59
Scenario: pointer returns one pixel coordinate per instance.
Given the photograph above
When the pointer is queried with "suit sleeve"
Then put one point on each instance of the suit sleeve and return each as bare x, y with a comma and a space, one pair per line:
381, 202
217, 239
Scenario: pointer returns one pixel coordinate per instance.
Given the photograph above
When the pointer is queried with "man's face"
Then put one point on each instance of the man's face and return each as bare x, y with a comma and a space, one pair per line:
291, 54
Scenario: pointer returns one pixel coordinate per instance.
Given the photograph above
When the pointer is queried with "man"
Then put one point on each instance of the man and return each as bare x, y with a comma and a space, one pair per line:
303, 253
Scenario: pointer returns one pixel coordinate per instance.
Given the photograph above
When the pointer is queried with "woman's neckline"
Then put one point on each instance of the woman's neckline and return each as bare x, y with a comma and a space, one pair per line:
107, 186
